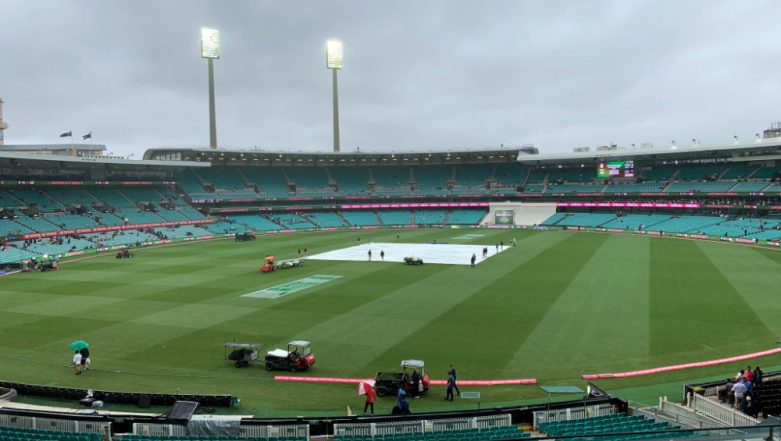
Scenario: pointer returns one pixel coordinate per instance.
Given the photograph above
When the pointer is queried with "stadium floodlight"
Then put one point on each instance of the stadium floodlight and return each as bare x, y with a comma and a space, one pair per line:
333, 54
333, 61
210, 43
210, 50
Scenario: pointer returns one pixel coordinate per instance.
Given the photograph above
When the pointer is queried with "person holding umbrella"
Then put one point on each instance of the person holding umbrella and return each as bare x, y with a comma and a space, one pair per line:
81, 355
365, 388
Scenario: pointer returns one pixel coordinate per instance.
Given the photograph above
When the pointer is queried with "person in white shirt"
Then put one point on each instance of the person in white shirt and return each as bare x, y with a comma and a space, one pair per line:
739, 390
77, 362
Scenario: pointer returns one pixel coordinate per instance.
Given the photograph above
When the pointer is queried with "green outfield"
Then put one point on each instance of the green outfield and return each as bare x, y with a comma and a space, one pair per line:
558, 305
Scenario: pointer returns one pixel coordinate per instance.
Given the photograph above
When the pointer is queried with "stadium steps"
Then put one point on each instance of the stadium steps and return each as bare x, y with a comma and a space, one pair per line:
412, 217
339, 213
447, 218
135, 203
379, 219
329, 178
199, 177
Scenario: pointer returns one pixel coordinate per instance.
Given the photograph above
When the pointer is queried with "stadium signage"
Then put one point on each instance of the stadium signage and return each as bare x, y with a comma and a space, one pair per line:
415, 205
112, 228
627, 204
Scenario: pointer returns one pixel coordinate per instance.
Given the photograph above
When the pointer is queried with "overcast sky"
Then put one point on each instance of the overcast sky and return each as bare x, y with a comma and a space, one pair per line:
417, 74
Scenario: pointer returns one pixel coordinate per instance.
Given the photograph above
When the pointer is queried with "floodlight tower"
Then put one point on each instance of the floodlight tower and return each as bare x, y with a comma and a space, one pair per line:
3, 125
333, 61
210, 50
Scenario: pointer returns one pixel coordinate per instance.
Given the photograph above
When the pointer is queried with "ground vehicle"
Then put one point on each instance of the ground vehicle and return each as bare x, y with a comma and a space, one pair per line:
242, 354
297, 357
269, 265
388, 383
285, 264
244, 237
413, 261
124, 254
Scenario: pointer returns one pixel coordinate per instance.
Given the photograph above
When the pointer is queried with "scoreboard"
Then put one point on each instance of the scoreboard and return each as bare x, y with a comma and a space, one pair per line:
616, 169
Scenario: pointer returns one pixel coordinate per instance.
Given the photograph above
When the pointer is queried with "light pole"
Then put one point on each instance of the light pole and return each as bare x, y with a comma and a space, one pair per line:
210, 50
333, 60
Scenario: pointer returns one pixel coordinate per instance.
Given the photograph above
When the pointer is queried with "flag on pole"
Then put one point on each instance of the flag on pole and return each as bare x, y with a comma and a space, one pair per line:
87, 136
67, 134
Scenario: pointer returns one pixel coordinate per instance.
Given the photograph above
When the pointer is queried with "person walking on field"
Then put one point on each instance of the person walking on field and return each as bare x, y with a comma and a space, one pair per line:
370, 255
452, 371
371, 397
77, 362
450, 383
382, 255
472, 260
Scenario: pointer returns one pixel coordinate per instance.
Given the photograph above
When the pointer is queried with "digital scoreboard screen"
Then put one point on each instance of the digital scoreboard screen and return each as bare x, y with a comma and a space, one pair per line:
616, 169
504, 217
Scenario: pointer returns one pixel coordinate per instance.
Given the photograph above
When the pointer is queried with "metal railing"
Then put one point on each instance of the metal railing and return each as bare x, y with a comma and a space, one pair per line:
245, 431
54, 424
572, 413
720, 412
423, 426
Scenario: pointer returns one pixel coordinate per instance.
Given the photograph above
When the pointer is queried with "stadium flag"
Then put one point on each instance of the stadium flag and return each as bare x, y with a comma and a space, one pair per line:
87, 136
67, 134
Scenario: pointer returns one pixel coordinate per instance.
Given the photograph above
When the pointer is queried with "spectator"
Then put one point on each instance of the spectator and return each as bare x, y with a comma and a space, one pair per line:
748, 374
758, 374
739, 391
77, 362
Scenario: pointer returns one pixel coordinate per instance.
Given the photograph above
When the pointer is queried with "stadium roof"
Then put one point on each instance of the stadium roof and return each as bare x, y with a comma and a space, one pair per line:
33, 160
45, 148
266, 157
760, 149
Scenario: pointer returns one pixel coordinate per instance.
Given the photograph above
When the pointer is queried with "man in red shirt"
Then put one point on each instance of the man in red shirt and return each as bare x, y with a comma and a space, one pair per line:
748, 374
371, 396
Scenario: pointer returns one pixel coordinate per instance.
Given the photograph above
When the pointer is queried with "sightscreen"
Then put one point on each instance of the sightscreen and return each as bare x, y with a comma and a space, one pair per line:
504, 217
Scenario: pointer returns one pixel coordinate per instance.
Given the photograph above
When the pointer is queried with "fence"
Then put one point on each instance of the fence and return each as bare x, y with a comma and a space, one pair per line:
422, 426
720, 412
676, 414
59, 425
245, 431
572, 413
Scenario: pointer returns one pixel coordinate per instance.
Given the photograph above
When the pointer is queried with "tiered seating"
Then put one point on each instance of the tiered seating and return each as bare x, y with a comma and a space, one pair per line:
136, 216
766, 235
71, 196
270, 180
207, 438
37, 198
360, 218
125, 237
226, 227
142, 194
225, 178
108, 219
739, 171
69, 244
686, 224
749, 187
618, 423
309, 180
586, 219
7, 201
537, 176
634, 221
574, 188
473, 175
292, 221
351, 180
767, 173
10, 254
35, 223
71, 221
191, 213
768, 396
192, 186
431, 178
705, 187
326, 220
430, 217
17, 434
775, 188
488, 434
739, 227
555, 219
399, 217
112, 198
171, 215
511, 174
391, 180
661, 173
465, 217
9, 227
255, 222
645, 187
584, 174
701, 172
532, 188
182, 231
